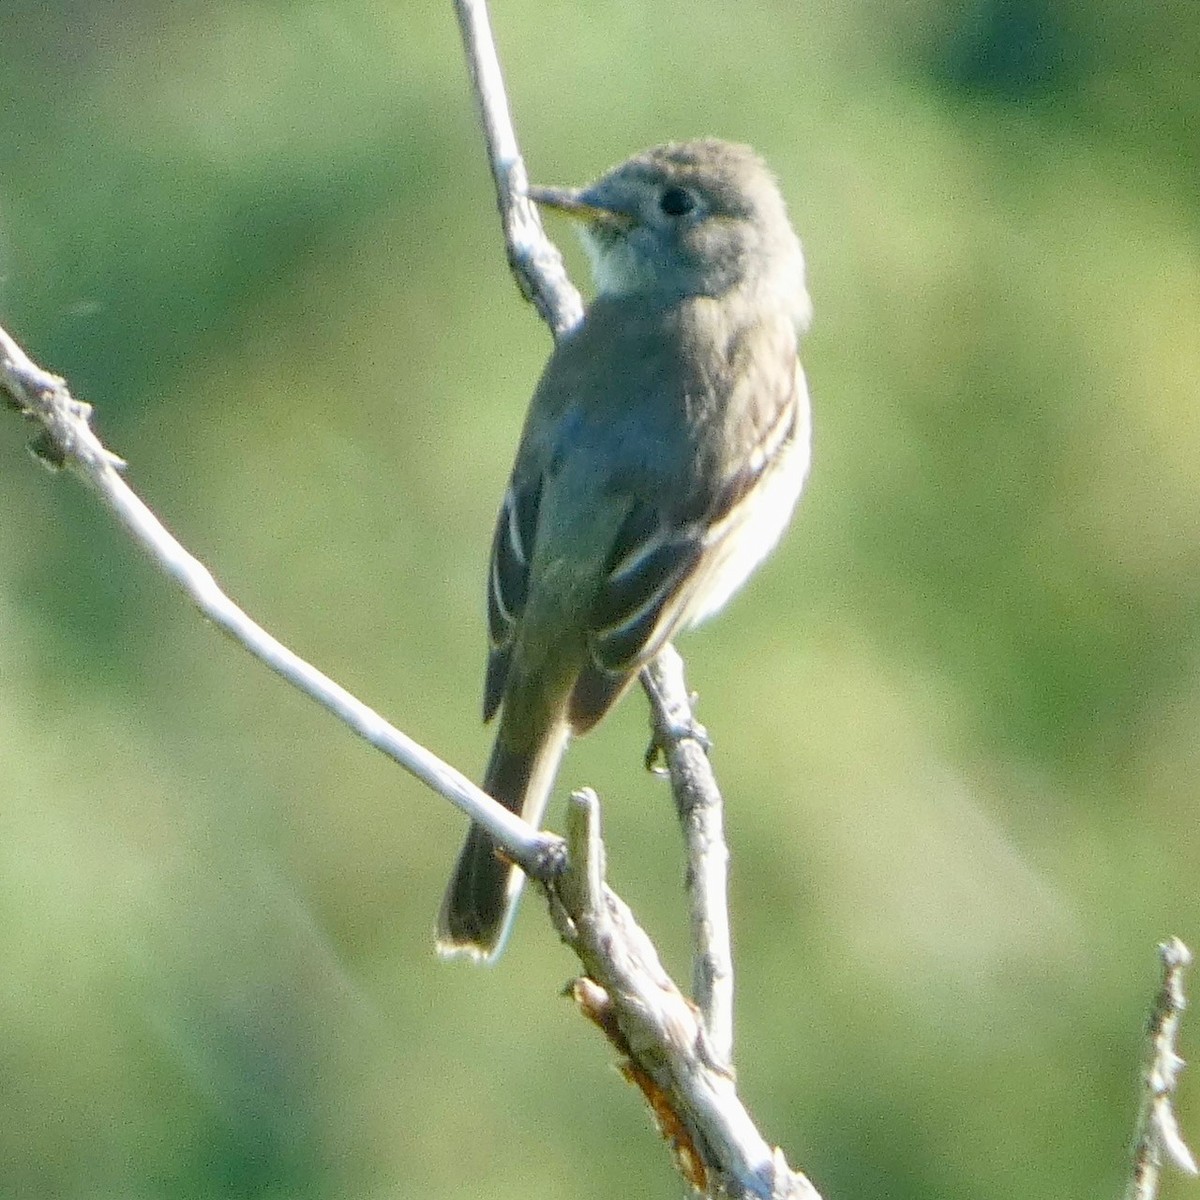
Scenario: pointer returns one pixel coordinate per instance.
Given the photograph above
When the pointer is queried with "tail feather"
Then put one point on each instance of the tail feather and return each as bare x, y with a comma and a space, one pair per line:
482, 897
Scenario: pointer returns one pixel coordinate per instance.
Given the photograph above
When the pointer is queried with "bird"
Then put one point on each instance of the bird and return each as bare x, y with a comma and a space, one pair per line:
661, 459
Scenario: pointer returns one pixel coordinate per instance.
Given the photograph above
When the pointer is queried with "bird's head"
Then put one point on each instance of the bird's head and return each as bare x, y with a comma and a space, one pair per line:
700, 218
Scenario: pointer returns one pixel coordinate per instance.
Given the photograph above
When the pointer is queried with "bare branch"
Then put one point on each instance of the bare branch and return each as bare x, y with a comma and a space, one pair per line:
658, 1031
67, 440
1158, 1135
684, 746
535, 261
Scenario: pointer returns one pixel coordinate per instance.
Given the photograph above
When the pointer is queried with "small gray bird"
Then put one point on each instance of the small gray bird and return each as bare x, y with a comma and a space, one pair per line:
662, 456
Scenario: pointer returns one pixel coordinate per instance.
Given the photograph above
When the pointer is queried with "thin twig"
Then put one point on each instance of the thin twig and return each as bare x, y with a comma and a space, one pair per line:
684, 746
536, 263
67, 440
1158, 1137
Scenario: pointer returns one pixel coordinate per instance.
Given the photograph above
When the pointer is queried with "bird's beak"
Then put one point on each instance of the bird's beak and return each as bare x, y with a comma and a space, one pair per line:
571, 203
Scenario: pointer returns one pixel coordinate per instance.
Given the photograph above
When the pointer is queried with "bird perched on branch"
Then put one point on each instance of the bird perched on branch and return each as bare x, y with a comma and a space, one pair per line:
663, 453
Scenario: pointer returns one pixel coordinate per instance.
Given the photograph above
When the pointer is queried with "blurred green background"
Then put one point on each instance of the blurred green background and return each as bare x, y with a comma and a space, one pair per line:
955, 718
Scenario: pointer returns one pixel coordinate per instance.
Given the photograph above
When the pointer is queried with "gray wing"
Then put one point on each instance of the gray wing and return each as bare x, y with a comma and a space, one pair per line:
657, 570
508, 581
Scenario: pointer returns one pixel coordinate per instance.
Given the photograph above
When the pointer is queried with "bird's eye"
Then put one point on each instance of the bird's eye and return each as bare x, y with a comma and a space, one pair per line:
676, 201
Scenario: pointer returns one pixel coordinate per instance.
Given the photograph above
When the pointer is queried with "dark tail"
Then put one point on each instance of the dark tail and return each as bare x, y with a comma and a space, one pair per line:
482, 896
